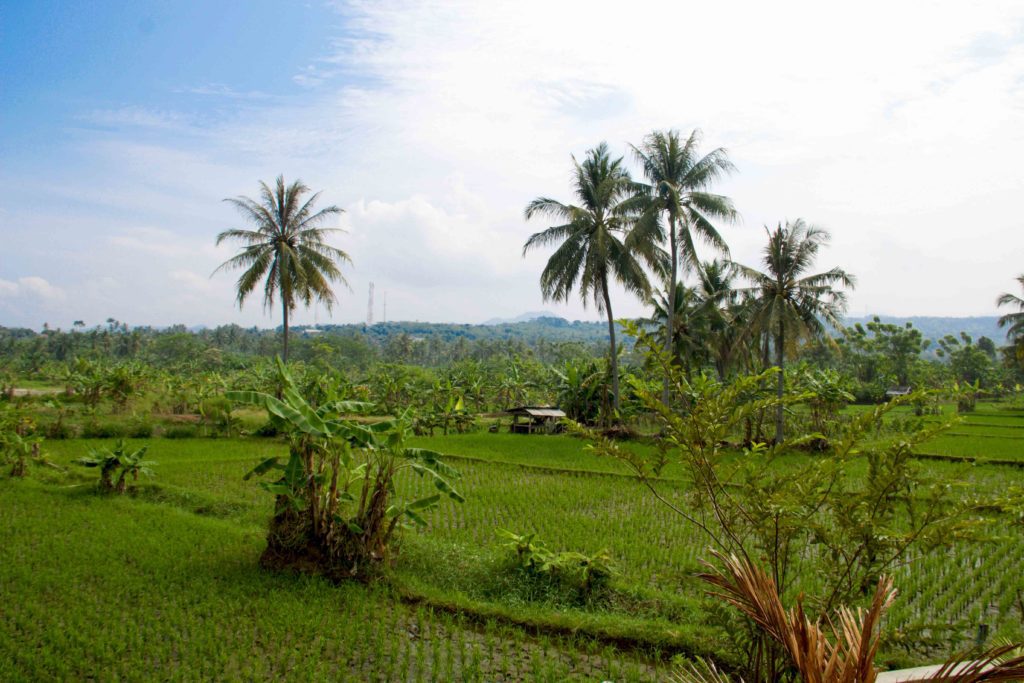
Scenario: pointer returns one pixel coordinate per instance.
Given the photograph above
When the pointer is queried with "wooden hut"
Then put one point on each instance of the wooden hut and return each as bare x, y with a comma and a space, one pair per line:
532, 419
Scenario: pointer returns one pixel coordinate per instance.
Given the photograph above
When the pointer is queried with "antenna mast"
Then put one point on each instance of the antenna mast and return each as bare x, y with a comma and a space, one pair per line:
385, 316
369, 308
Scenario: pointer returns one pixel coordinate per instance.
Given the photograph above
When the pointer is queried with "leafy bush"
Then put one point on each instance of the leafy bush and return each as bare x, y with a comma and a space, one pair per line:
139, 428
103, 430
336, 511
181, 432
828, 528
587, 575
59, 430
217, 417
120, 462
268, 429
19, 448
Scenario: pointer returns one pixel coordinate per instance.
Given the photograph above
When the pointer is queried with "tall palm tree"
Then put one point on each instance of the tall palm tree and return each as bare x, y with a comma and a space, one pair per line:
678, 183
724, 308
286, 249
1014, 321
691, 325
591, 241
787, 304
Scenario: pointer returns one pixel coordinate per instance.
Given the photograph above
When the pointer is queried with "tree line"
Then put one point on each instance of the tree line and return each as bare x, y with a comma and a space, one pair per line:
642, 234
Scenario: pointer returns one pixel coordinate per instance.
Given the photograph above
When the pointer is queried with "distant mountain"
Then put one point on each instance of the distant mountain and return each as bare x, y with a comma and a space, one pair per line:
523, 318
934, 327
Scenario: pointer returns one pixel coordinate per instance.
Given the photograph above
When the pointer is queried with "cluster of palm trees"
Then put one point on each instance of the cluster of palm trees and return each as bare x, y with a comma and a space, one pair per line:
620, 230
632, 232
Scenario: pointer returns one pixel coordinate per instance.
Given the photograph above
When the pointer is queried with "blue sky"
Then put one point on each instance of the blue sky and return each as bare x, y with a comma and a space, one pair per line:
63, 60
123, 125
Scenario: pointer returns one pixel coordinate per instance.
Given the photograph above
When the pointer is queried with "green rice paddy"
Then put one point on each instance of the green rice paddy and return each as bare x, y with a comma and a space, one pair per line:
165, 583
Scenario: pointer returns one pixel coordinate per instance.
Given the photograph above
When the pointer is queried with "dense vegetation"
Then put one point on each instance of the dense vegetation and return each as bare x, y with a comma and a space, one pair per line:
408, 537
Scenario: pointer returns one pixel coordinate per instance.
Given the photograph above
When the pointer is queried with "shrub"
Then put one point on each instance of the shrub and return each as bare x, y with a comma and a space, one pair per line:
119, 462
827, 528
586, 575
181, 432
217, 417
140, 429
59, 430
20, 451
103, 430
336, 508
268, 429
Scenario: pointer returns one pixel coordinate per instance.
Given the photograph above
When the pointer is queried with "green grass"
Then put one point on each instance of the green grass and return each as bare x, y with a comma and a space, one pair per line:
982, 446
558, 452
166, 580
125, 589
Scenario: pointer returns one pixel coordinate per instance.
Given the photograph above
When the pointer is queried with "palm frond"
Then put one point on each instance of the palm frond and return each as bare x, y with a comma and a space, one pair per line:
286, 250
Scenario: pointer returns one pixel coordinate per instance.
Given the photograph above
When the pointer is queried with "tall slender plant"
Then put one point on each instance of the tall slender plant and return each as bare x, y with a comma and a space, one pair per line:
677, 188
787, 303
591, 240
286, 250
1014, 322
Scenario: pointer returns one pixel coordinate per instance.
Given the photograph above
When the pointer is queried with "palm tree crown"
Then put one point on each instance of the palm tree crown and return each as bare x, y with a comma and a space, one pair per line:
591, 240
677, 188
1013, 321
789, 304
285, 250
678, 182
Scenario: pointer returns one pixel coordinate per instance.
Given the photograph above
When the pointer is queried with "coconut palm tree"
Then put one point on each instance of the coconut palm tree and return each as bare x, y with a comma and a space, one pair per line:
788, 305
285, 250
677, 188
724, 308
1013, 321
691, 326
591, 241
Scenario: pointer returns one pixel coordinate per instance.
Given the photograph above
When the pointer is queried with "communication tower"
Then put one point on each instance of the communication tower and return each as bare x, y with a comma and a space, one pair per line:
369, 308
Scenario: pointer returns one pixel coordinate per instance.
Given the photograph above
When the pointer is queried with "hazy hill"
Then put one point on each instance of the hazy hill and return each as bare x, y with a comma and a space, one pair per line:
934, 327
531, 327
522, 318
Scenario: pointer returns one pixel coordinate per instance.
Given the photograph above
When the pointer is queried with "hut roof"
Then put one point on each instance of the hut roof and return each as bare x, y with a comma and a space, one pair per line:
537, 411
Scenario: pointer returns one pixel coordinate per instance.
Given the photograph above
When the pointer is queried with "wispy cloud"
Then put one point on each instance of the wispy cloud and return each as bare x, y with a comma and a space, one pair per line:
221, 90
434, 123
31, 288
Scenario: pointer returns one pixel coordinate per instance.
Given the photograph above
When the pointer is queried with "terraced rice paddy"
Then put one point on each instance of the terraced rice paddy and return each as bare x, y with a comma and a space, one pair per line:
167, 580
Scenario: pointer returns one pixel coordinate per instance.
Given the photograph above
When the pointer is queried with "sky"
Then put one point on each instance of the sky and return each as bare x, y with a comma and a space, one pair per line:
898, 127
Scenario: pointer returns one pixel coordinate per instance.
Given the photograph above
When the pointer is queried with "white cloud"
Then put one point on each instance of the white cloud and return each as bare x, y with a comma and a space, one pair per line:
899, 127
30, 289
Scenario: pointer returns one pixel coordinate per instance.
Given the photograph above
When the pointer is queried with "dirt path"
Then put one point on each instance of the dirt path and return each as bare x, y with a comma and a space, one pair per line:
49, 391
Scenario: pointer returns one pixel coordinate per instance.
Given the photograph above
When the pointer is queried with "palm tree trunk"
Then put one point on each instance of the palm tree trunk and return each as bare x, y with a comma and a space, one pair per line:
284, 357
670, 299
611, 336
781, 386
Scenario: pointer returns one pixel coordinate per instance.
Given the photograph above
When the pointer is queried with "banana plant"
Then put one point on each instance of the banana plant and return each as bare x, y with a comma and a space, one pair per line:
119, 461
335, 491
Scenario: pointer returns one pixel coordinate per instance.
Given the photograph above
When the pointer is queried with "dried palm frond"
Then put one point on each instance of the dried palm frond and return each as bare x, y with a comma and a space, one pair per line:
991, 666
849, 659
701, 671
849, 655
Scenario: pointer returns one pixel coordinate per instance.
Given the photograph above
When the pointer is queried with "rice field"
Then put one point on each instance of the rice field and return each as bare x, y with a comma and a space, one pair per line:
167, 580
